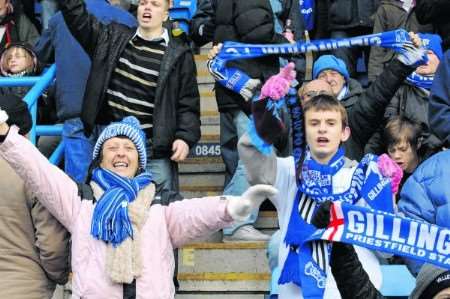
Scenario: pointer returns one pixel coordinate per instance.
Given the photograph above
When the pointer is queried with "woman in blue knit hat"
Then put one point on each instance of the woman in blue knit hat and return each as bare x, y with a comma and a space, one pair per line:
115, 220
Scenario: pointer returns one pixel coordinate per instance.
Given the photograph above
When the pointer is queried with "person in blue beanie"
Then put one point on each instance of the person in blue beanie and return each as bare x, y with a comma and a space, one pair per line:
364, 107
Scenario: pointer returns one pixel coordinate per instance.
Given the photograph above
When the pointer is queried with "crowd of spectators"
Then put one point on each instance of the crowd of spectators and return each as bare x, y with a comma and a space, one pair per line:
121, 58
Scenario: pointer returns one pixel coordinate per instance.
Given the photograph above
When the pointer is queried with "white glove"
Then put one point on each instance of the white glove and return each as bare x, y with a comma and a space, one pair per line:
413, 56
250, 88
3, 116
240, 207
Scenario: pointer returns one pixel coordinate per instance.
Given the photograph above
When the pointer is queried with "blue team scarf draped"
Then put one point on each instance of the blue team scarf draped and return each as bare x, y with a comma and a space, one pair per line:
307, 12
420, 81
110, 221
235, 79
315, 187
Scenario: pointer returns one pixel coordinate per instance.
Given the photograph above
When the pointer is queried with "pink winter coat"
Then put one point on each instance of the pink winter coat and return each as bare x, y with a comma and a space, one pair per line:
166, 228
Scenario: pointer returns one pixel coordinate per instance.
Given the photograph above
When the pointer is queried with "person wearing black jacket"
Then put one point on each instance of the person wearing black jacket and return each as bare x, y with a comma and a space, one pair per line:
250, 21
435, 12
145, 72
348, 18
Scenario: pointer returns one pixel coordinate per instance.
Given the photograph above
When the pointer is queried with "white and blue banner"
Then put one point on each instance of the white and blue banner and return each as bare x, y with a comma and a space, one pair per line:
387, 232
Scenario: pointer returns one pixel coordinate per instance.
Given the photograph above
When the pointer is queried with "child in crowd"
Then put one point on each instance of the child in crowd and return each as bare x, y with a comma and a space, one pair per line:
403, 140
122, 235
19, 60
321, 171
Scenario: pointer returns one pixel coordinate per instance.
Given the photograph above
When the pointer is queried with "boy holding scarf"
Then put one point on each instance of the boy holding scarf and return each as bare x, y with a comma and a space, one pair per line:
309, 177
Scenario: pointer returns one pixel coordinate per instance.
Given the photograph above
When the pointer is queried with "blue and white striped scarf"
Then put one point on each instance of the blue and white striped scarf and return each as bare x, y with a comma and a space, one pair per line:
236, 79
420, 81
110, 221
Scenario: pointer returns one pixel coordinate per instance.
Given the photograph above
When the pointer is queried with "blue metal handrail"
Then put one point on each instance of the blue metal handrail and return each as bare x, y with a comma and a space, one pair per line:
40, 84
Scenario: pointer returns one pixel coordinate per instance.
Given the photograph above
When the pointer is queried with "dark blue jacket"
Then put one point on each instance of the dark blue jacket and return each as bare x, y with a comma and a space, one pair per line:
439, 106
426, 194
72, 63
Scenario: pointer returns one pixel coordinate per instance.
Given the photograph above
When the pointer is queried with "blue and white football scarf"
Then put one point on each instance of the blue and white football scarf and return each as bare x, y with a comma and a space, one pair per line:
235, 79
420, 81
387, 232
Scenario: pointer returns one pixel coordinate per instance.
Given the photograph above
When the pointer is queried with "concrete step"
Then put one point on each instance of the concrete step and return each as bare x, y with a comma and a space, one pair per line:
210, 132
267, 220
224, 282
223, 267
207, 98
202, 180
201, 164
203, 75
205, 49
201, 184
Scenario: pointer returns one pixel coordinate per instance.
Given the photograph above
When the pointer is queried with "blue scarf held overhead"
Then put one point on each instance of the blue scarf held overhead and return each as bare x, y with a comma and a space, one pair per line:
235, 79
110, 221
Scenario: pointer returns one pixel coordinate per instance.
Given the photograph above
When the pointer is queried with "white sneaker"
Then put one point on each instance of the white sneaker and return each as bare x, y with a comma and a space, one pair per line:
246, 233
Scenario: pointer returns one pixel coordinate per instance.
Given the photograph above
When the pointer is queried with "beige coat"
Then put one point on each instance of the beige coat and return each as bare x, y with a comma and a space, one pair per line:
34, 246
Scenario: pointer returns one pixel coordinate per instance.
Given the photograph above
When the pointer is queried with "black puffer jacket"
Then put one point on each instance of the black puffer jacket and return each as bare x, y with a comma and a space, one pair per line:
177, 100
366, 109
249, 21
412, 102
437, 13
346, 14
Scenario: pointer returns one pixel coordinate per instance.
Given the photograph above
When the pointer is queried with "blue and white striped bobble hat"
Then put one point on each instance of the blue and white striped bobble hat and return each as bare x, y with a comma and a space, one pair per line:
129, 127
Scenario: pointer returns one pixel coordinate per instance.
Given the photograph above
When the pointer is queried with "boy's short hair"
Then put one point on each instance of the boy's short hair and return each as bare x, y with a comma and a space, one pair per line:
325, 102
401, 128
